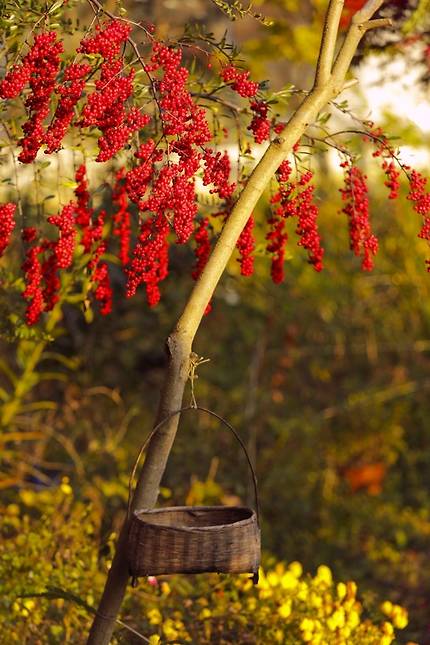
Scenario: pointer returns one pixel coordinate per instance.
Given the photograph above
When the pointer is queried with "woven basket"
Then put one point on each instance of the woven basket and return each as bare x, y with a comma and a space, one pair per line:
194, 539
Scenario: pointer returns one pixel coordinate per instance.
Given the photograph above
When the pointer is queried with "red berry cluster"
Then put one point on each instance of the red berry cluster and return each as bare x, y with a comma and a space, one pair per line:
108, 40
170, 186
260, 124
418, 194
392, 178
246, 246
277, 236
162, 184
173, 186
121, 217
91, 236
417, 183
41, 275
217, 172
7, 224
90, 232
203, 247
421, 199
70, 91
277, 239
149, 264
240, 81
39, 68
51, 278
89, 229
179, 113
33, 276
295, 199
362, 241
42, 263
45, 61
387, 153
15, 80
284, 172
83, 214
173, 192
138, 179
106, 106
45, 259
65, 246
307, 227
103, 289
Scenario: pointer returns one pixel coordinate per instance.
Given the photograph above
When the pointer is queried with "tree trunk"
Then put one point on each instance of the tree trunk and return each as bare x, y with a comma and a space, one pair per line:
328, 84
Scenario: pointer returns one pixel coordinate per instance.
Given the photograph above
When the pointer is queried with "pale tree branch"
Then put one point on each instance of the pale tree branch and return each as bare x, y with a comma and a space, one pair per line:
352, 40
376, 24
328, 41
367, 11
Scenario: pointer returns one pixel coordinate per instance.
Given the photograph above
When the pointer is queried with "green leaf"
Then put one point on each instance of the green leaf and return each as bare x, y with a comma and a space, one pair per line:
54, 7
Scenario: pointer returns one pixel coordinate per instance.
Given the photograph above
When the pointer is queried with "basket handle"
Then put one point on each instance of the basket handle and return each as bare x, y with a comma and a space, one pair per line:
216, 416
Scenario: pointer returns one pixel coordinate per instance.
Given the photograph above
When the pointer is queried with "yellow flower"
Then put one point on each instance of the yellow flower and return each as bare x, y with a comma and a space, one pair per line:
353, 619
324, 574
247, 584
285, 609
316, 639
307, 625
351, 589
65, 486
400, 620
165, 588
341, 590
262, 582
387, 608
387, 628
28, 497
289, 580
339, 617
252, 603
265, 593
154, 617
272, 579
316, 600
169, 630
386, 640
296, 569
303, 591
205, 613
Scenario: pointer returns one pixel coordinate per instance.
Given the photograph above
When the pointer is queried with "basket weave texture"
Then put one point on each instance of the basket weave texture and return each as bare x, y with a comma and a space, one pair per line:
193, 539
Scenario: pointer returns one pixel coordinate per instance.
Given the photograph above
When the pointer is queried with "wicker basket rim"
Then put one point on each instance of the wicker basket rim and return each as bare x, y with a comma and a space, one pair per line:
194, 529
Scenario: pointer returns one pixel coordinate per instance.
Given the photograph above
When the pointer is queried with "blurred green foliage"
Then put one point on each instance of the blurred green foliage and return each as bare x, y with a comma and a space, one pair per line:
50, 575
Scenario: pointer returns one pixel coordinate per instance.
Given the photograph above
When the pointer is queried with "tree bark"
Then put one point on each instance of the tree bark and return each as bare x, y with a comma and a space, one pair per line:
329, 81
